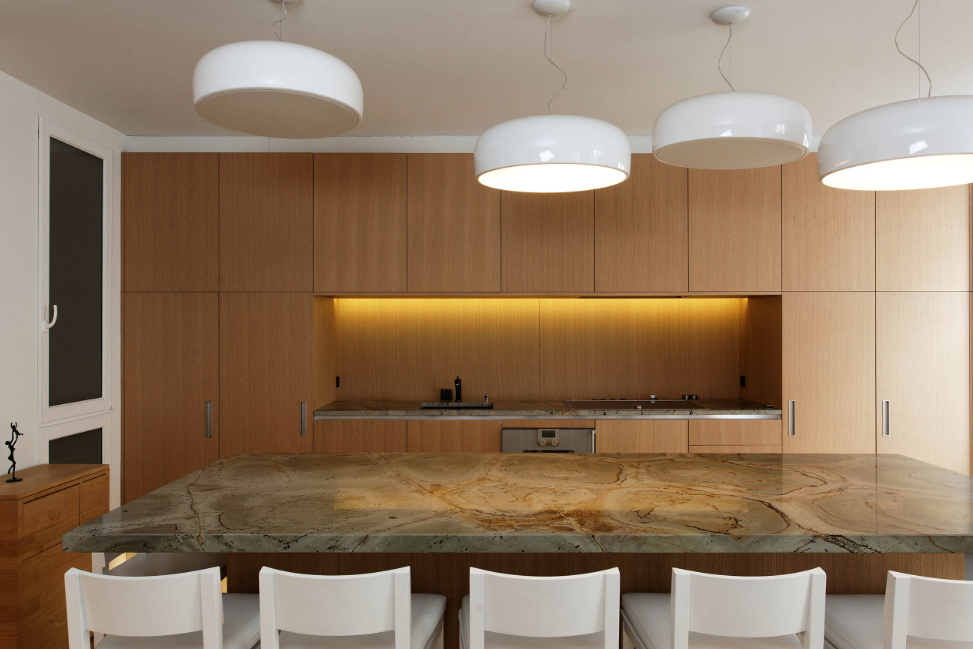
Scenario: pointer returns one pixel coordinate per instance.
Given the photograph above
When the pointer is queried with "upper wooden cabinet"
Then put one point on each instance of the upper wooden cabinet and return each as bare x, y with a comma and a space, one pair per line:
734, 230
266, 202
265, 373
828, 234
642, 231
171, 371
923, 240
360, 222
170, 221
548, 242
454, 226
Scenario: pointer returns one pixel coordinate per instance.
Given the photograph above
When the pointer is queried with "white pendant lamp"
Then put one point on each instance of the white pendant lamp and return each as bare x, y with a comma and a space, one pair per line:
914, 144
732, 130
552, 153
277, 89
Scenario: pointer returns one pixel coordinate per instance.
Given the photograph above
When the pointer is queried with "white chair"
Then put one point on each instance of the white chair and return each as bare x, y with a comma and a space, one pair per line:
374, 611
920, 612
719, 612
515, 612
154, 564
135, 612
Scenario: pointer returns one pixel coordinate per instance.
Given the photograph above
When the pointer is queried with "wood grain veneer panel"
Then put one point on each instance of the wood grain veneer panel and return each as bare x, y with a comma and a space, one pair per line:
735, 432
734, 230
548, 242
649, 436
548, 423
324, 352
829, 371
765, 448
923, 239
170, 210
37, 479
360, 436
642, 230
407, 349
454, 226
265, 372
923, 358
454, 436
828, 234
46, 518
618, 348
360, 222
41, 607
95, 498
761, 356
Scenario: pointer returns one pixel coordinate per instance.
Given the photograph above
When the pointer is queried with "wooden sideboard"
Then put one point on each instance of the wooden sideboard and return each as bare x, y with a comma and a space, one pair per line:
34, 513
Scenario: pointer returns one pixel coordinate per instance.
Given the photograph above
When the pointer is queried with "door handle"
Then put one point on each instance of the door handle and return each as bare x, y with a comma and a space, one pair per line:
49, 325
209, 418
792, 418
885, 418
304, 419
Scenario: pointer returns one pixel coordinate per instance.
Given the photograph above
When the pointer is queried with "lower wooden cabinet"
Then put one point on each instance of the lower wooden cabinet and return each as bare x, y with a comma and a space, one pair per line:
454, 436
735, 436
360, 436
923, 362
648, 436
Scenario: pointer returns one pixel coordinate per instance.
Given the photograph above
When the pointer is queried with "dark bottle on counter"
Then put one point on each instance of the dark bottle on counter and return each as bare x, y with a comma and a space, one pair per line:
459, 389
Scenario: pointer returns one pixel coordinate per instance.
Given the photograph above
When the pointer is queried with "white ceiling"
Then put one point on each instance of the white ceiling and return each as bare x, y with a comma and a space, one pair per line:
438, 67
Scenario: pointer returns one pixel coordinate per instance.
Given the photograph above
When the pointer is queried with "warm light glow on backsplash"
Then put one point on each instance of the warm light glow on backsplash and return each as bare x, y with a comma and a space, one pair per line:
538, 348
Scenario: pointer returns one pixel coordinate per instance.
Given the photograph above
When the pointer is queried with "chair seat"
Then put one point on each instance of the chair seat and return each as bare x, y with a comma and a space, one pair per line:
855, 622
241, 629
646, 615
503, 641
427, 627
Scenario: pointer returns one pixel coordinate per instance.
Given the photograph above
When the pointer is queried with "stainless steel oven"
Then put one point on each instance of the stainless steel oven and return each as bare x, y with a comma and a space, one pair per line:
548, 440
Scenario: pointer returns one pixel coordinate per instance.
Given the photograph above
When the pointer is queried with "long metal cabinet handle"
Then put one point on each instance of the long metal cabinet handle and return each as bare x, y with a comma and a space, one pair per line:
304, 419
885, 418
209, 418
792, 418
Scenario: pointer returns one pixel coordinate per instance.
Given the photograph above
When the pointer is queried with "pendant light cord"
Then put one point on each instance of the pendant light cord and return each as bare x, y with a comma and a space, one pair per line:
282, 17
719, 61
550, 75
922, 70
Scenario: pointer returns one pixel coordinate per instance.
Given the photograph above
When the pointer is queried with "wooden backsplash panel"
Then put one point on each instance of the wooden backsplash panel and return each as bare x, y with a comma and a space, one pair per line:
538, 348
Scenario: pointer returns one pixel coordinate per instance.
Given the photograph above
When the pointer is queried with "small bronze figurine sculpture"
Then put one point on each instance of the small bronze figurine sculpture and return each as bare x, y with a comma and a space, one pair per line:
14, 436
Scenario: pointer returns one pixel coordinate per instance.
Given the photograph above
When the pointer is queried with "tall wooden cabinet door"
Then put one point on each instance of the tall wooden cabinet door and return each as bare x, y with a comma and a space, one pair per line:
548, 242
171, 373
266, 221
454, 226
642, 231
922, 239
828, 234
828, 372
170, 221
923, 360
265, 373
734, 230
360, 222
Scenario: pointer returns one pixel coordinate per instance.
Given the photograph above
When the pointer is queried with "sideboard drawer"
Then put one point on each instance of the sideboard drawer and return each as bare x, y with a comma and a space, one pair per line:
94, 498
47, 518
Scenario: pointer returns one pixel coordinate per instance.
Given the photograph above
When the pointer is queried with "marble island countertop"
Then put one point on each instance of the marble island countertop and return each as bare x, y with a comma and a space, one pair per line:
416, 502
699, 409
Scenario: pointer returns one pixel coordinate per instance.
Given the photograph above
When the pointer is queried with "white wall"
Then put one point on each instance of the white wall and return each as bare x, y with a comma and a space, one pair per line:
20, 108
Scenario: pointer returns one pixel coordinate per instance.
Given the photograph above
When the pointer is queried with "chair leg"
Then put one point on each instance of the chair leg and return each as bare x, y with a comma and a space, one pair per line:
439, 639
626, 641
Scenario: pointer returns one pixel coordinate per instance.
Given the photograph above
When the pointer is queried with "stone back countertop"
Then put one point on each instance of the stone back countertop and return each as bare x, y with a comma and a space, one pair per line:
700, 409
496, 502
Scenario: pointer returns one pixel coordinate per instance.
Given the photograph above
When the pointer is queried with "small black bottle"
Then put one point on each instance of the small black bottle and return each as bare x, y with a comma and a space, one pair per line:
459, 389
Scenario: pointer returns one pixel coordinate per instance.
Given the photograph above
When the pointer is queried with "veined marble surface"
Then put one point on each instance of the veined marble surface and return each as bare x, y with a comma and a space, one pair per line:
701, 409
417, 502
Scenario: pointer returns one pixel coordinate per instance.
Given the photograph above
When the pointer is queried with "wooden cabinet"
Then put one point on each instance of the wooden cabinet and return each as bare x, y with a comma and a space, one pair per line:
360, 436
266, 221
265, 372
170, 221
641, 436
734, 230
454, 227
922, 240
454, 436
828, 234
923, 361
51, 499
548, 242
829, 372
735, 436
642, 230
360, 222
170, 373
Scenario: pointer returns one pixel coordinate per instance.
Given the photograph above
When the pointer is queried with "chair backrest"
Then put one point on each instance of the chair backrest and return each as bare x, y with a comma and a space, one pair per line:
937, 609
344, 605
144, 606
748, 607
544, 607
